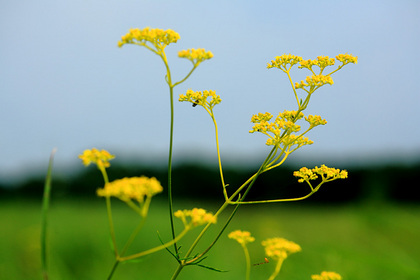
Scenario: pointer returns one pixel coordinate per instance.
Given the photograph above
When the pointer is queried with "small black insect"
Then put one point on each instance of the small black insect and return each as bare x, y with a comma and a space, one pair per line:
195, 103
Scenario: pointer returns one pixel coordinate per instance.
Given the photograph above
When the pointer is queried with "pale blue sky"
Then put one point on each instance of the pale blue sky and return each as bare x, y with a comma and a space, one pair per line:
65, 84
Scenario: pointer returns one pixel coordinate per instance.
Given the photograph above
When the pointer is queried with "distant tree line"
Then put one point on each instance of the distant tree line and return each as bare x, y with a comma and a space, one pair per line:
191, 180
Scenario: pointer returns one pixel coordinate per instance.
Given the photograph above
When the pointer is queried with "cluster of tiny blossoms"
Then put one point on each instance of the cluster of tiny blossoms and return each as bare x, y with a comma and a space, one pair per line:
279, 248
100, 158
243, 237
285, 121
327, 173
200, 98
159, 38
196, 56
195, 217
321, 62
327, 275
346, 58
134, 188
283, 61
286, 61
315, 81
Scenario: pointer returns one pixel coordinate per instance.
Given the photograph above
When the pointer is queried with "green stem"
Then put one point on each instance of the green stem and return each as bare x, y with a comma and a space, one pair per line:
218, 155
44, 216
187, 76
155, 249
114, 267
250, 181
248, 262
277, 270
170, 200
111, 225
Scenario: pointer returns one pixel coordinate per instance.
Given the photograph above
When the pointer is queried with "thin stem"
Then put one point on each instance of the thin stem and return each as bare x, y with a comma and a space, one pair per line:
111, 225
170, 200
171, 137
277, 270
218, 155
109, 211
44, 216
248, 262
293, 87
155, 249
114, 267
187, 76
221, 209
133, 236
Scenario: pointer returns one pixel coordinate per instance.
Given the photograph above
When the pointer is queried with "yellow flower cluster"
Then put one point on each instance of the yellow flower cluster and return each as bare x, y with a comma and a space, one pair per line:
159, 38
315, 81
327, 173
327, 275
279, 248
196, 56
315, 120
282, 61
243, 237
134, 188
200, 98
346, 58
321, 62
195, 217
284, 121
100, 158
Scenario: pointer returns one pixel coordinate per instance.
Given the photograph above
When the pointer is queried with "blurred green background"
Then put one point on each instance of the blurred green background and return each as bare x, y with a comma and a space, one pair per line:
366, 227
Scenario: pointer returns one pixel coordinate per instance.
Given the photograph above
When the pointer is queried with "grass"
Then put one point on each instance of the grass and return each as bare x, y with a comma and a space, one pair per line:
379, 241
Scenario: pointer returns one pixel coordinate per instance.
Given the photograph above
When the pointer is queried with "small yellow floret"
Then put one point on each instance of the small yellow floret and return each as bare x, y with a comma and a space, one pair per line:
346, 58
159, 38
275, 130
280, 248
321, 62
282, 61
327, 275
200, 98
315, 81
100, 158
195, 217
196, 56
243, 237
315, 120
134, 188
327, 173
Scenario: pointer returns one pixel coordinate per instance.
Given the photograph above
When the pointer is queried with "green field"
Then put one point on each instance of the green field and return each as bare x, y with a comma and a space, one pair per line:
380, 241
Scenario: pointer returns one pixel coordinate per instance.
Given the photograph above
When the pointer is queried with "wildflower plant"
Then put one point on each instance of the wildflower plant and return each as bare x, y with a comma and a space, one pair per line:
285, 134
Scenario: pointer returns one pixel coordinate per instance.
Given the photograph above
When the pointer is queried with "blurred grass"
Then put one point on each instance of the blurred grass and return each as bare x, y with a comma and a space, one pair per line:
379, 241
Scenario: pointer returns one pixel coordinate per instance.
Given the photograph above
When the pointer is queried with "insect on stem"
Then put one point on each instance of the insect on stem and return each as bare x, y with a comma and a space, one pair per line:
265, 261
195, 103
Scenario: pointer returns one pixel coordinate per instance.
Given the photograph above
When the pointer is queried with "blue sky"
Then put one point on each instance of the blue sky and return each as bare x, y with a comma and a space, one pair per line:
64, 83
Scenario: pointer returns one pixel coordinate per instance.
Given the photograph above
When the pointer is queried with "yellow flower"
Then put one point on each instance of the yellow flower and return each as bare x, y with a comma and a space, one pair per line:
275, 130
321, 62
327, 173
159, 38
100, 158
282, 61
346, 58
243, 237
315, 81
195, 217
327, 275
196, 56
305, 174
200, 98
280, 248
315, 120
134, 188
